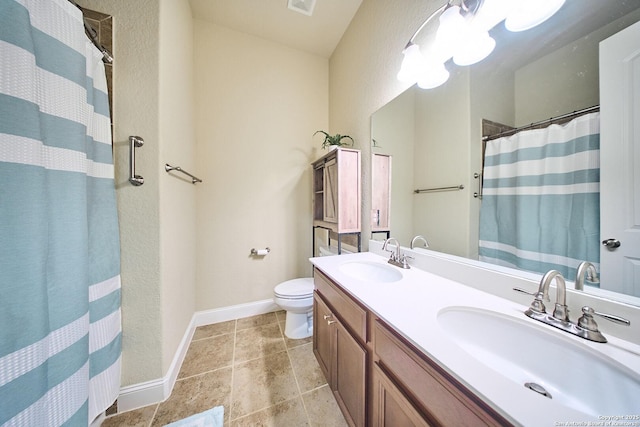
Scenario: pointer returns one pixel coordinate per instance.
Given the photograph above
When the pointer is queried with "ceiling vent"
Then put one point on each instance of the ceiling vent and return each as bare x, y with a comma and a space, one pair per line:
302, 6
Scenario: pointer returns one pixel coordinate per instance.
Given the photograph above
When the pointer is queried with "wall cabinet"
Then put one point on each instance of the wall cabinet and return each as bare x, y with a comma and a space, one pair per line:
380, 379
381, 193
336, 191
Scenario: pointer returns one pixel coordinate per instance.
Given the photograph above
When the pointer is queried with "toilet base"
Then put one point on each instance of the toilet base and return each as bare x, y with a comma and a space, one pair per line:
298, 325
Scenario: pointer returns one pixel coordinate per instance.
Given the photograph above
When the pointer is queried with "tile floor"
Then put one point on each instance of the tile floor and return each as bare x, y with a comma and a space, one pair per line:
249, 366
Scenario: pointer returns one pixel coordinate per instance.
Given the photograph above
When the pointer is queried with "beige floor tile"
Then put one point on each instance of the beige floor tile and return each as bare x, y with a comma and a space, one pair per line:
208, 354
214, 330
253, 321
306, 368
138, 418
257, 342
322, 408
194, 395
289, 413
261, 383
290, 343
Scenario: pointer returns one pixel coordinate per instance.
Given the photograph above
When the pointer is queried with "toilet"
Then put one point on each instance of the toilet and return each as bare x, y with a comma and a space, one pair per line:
296, 298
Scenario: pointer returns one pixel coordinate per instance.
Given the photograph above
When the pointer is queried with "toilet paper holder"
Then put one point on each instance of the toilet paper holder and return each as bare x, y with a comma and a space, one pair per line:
260, 252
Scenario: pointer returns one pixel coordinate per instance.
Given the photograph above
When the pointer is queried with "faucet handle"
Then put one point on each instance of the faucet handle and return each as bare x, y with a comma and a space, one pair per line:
587, 321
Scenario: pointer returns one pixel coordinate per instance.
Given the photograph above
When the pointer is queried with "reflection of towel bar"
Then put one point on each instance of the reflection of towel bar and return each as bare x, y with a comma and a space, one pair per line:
169, 168
432, 190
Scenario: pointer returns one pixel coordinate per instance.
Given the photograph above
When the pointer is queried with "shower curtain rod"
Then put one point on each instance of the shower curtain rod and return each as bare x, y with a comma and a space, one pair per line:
541, 122
93, 36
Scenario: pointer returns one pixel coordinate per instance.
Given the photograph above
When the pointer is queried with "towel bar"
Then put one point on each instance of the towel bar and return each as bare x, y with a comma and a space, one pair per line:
168, 168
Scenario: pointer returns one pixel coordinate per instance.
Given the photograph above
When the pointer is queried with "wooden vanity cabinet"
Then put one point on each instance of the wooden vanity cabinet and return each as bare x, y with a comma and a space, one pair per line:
379, 378
420, 386
338, 347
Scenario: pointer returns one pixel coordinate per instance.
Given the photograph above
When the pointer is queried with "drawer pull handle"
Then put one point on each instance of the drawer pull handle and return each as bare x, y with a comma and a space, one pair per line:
329, 322
327, 316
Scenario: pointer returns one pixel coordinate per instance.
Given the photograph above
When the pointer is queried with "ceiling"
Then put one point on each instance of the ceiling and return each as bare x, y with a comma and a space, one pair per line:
318, 34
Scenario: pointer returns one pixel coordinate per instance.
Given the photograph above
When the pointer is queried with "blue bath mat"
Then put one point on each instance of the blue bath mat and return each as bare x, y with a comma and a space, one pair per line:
212, 418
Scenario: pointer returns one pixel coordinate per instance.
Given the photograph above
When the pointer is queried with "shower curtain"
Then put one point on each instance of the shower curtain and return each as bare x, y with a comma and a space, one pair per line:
541, 198
60, 329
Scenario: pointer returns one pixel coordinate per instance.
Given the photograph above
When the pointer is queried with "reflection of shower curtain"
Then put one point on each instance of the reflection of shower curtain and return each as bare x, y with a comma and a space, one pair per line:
541, 198
60, 328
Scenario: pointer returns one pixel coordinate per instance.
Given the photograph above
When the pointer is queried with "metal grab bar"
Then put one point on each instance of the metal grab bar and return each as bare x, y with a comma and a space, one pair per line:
431, 190
134, 141
168, 168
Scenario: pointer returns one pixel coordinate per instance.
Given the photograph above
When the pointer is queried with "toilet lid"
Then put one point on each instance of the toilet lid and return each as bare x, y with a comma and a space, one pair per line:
295, 289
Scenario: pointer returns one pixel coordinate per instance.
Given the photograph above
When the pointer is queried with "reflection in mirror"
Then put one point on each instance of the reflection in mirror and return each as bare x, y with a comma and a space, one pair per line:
435, 136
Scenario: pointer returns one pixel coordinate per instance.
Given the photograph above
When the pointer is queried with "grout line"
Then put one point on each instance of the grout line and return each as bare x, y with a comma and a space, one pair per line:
155, 412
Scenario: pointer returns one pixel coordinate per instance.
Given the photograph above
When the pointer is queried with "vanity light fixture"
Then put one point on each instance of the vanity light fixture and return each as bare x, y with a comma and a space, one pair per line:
463, 35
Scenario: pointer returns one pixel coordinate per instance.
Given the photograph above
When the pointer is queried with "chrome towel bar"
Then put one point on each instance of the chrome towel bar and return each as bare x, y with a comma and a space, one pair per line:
168, 168
432, 190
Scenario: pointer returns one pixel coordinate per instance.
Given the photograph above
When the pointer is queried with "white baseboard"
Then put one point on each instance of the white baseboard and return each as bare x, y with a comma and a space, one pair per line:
151, 392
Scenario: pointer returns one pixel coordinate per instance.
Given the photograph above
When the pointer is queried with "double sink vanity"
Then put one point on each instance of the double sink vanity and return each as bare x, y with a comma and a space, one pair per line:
403, 347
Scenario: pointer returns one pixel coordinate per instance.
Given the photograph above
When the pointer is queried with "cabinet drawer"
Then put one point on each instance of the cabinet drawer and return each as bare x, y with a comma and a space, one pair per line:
443, 400
350, 313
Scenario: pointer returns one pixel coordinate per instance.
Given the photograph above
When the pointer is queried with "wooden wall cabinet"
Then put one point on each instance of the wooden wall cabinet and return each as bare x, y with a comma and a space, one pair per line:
381, 193
336, 191
380, 379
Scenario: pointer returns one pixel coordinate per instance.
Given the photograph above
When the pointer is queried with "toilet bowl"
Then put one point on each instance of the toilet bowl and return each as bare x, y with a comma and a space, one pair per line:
296, 298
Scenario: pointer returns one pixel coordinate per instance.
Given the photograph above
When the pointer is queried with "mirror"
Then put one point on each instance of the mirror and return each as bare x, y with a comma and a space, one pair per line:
434, 136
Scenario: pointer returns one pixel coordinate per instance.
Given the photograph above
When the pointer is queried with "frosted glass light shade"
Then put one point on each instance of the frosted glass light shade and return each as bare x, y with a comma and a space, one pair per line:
491, 13
476, 47
526, 14
451, 31
413, 64
435, 75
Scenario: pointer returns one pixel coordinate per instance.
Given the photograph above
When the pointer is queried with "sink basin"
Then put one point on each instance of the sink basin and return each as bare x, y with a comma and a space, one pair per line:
371, 271
573, 374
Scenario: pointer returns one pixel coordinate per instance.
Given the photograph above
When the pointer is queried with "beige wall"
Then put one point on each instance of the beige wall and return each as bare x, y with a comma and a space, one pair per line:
177, 194
362, 72
442, 160
158, 278
393, 128
258, 104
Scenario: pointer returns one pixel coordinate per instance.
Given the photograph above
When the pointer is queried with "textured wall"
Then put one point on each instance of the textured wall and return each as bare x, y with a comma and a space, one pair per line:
362, 73
177, 193
258, 104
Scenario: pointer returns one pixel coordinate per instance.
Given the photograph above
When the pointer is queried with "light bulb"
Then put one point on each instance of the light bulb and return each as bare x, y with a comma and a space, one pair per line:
526, 14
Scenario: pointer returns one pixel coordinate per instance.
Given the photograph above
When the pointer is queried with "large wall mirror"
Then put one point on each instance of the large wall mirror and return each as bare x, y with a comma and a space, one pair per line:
435, 136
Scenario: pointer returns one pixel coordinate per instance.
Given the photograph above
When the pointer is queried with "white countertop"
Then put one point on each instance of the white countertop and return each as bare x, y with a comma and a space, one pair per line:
411, 305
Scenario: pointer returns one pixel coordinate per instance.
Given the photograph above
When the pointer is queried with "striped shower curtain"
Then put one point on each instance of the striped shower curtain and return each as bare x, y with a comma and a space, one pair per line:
541, 198
60, 329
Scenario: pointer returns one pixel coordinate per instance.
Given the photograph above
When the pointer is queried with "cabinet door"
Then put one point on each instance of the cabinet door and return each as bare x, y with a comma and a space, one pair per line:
380, 192
322, 331
331, 190
349, 376
390, 407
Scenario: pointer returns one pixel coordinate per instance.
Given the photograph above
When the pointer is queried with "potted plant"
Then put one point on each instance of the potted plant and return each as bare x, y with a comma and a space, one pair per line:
334, 141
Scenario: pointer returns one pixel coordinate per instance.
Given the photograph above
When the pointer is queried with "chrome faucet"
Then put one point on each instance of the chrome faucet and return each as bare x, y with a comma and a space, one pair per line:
396, 258
585, 327
560, 311
590, 270
415, 239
